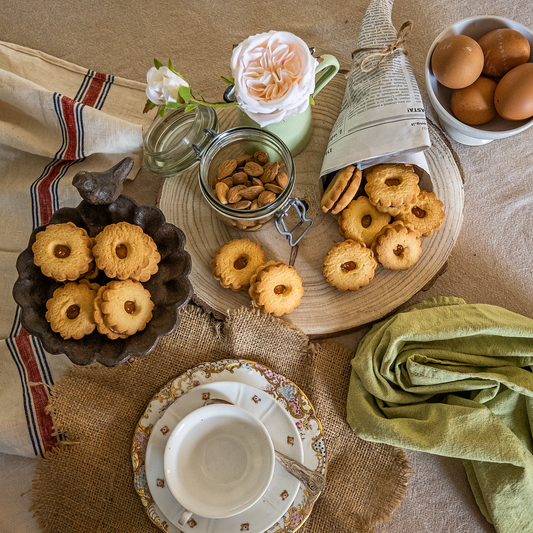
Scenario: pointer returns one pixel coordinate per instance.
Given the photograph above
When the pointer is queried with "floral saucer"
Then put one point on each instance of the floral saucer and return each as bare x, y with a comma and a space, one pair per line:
283, 432
294, 429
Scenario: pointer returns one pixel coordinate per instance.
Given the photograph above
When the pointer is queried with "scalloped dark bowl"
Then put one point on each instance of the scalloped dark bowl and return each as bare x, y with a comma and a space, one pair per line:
170, 288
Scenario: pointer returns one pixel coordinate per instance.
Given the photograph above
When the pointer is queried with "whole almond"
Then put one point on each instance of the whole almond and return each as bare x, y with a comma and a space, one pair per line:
270, 171
255, 204
228, 181
221, 190
253, 169
234, 194
226, 168
243, 204
252, 192
274, 188
239, 177
257, 181
241, 161
265, 198
261, 157
282, 179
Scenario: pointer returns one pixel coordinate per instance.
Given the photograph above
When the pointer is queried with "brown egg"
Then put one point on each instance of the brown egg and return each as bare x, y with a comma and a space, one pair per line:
514, 94
475, 104
457, 61
504, 49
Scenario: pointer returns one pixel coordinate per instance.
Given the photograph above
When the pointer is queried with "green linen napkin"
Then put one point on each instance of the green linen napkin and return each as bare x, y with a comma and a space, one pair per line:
454, 379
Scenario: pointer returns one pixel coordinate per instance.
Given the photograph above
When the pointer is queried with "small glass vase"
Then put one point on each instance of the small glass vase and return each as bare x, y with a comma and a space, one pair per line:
171, 144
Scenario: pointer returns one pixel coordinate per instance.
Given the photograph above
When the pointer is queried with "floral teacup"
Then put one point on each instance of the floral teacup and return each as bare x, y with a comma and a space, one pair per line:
218, 461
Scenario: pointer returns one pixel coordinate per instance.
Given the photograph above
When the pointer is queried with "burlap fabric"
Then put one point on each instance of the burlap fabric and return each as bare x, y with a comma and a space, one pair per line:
86, 485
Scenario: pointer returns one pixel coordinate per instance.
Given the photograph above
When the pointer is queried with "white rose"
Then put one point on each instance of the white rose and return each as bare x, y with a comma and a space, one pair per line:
274, 75
163, 86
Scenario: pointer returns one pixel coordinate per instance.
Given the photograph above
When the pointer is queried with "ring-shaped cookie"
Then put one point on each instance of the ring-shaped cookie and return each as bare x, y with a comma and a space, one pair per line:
122, 250
126, 307
361, 221
349, 265
235, 262
392, 185
397, 246
63, 251
70, 310
426, 216
276, 288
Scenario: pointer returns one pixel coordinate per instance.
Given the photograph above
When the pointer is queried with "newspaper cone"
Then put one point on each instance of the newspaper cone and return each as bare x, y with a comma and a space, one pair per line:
382, 116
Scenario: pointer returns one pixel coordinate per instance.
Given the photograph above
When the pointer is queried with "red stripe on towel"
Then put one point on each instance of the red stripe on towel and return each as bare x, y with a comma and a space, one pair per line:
93, 92
38, 391
43, 189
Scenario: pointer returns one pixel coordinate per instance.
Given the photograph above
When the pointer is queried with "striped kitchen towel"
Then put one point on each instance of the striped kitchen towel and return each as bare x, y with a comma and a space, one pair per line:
55, 120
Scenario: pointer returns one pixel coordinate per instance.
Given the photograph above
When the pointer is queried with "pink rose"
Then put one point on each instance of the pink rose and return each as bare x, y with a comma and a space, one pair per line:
274, 76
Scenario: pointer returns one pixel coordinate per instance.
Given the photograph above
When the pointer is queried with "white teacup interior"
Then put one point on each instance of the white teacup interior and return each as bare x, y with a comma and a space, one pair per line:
219, 461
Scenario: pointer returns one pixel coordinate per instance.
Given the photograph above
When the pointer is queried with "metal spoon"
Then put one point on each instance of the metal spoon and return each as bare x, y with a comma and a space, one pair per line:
314, 482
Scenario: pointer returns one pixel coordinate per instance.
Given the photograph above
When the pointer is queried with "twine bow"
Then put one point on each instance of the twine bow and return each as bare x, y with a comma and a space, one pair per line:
381, 51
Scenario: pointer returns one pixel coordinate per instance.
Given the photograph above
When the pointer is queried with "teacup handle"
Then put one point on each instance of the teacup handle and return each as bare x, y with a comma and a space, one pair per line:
184, 518
327, 68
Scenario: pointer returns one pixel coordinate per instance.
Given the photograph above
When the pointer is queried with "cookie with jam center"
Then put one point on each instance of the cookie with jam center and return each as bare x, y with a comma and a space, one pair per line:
63, 251
70, 311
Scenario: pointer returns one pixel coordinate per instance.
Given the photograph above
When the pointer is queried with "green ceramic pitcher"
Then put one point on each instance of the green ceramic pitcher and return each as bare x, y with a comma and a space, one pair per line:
296, 131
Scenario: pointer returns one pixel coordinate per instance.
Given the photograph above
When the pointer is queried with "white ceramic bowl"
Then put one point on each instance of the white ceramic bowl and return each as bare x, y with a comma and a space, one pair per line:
440, 96
219, 461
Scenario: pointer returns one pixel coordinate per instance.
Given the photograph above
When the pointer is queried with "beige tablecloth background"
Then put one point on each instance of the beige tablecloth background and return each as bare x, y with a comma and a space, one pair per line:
492, 261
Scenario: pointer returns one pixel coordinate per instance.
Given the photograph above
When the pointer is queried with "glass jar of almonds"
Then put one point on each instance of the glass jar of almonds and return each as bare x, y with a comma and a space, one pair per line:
247, 176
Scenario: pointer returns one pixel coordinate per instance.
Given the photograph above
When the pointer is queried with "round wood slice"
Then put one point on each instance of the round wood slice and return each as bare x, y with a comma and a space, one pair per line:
324, 311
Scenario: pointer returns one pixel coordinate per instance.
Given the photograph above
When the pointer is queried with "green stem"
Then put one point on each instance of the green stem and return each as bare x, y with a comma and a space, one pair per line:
209, 104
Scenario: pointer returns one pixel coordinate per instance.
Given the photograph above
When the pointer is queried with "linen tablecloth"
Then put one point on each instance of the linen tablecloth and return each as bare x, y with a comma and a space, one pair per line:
492, 260
55, 120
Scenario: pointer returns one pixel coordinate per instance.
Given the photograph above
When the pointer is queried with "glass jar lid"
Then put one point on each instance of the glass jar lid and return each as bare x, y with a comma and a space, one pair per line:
172, 144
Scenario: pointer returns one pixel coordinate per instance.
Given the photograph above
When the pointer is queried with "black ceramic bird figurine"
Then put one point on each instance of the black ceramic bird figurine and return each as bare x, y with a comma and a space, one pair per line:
103, 188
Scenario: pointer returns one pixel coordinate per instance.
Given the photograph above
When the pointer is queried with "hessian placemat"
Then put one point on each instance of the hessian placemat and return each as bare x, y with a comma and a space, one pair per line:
86, 483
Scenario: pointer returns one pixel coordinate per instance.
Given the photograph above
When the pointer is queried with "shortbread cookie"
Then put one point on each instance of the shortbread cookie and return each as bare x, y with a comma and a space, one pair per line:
397, 246
126, 307
70, 310
341, 190
99, 317
153, 263
349, 265
123, 251
63, 251
426, 216
361, 221
392, 185
234, 263
276, 288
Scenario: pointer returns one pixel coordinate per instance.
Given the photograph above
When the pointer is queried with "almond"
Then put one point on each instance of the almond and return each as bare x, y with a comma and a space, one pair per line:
265, 198
253, 169
274, 188
241, 161
252, 192
282, 179
257, 181
234, 194
270, 171
255, 204
226, 168
248, 183
243, 204
239, 177
228, 181
221, 190
261, 157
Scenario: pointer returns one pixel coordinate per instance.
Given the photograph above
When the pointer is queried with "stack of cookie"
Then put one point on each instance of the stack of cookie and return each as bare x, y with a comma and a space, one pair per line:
241, 265
118, 308
392, 191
